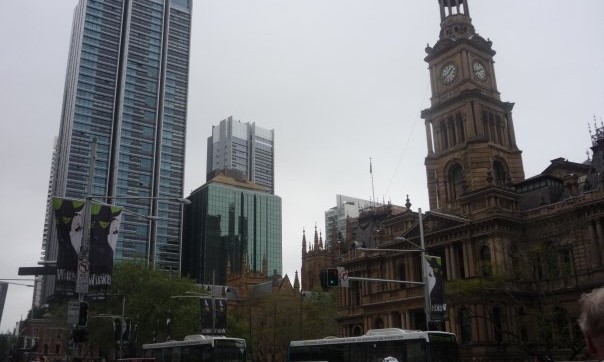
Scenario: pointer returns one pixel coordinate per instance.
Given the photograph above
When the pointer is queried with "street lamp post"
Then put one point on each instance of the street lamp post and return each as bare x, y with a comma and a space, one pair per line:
422, 251
424, 275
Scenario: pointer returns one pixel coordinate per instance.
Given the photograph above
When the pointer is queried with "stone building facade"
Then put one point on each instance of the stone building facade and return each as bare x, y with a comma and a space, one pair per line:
517, 252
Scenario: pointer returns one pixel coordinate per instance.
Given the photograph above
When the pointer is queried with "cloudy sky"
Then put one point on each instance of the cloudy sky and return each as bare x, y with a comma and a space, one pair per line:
340, 82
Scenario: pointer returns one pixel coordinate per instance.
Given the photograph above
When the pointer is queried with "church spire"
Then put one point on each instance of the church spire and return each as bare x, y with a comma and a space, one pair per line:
303, 241
320, 240
316, 243
296, 282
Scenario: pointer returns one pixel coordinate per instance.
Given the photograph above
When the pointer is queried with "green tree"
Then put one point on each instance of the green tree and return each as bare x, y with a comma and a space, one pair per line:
268, 324
152, 300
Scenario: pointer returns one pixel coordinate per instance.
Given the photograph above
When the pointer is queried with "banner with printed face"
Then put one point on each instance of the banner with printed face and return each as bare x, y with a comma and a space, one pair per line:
220, 312
213, 315
3, 290
435, 284
70, 219
104, 231
207, 315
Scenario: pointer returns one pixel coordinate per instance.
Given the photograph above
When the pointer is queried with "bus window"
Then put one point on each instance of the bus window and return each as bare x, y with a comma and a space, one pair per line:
228, 351
389, 351
416, 351
356, 353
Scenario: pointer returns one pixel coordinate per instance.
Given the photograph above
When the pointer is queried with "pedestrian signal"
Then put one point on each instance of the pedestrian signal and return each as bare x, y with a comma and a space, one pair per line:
333, 277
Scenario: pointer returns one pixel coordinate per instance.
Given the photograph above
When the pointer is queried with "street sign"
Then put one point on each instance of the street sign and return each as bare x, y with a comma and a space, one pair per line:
37, 270
83, 275
343, 273
73, 312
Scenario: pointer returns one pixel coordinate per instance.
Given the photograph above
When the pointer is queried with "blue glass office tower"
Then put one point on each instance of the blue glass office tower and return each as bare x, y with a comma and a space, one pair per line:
231, 226
126, 87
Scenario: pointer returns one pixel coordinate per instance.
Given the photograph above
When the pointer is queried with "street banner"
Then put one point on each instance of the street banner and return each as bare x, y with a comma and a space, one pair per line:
3, 290
435, 282
207, 315
104, 231
70, 220
220, 313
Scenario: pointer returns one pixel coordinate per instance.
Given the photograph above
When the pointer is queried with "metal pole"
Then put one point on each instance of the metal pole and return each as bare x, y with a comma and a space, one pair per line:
122, 330
423, 265
385, 280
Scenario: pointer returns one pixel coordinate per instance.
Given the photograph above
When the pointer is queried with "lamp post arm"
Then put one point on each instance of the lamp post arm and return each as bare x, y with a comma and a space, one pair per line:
180, 200
385, 280
392, 250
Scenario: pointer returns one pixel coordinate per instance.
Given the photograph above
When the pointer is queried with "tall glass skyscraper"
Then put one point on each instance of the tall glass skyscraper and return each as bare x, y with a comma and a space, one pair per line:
243, 147
126, 87
231, 225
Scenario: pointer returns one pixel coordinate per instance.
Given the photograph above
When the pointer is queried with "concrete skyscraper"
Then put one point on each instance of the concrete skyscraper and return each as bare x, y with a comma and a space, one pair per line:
243, 147
126, 92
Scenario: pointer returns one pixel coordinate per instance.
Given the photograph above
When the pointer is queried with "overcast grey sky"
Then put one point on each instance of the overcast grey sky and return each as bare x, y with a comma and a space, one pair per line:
339, 81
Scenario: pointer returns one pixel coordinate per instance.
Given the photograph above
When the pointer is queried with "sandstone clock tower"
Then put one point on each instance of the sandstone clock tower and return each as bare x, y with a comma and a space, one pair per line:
470, 132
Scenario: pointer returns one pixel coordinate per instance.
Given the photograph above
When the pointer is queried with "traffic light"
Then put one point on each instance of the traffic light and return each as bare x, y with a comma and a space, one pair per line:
333, 277
83, 315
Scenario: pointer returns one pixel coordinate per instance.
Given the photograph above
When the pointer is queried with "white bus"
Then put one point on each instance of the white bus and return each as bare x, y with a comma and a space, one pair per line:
197, 348
379, 345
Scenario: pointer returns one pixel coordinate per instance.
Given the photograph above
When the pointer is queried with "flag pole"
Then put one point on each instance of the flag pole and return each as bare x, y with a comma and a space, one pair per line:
372, 187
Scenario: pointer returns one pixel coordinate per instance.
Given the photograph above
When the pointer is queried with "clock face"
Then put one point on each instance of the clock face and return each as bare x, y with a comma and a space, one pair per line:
448, 73
479, 70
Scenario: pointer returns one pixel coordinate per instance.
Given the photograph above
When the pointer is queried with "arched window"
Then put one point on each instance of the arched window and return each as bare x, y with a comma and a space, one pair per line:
499, 173
485, 261
456, 182
445, 135
465, 325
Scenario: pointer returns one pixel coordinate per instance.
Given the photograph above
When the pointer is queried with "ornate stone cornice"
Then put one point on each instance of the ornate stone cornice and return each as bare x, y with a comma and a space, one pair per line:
444, 45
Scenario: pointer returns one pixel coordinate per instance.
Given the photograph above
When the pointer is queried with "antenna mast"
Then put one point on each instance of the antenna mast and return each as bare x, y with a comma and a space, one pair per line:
372, 188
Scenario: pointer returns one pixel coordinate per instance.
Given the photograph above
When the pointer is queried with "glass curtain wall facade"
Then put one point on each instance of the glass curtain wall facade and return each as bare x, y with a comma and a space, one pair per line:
243, 147
226, 226
126, 90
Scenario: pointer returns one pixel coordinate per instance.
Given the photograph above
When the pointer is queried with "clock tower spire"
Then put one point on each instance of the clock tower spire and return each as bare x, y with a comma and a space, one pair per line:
455, 19
470, 131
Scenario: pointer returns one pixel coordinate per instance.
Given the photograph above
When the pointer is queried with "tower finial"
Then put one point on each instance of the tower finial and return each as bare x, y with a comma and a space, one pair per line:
408, 203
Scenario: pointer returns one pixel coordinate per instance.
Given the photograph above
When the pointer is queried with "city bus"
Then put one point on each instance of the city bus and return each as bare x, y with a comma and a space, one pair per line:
379, 345
197, 348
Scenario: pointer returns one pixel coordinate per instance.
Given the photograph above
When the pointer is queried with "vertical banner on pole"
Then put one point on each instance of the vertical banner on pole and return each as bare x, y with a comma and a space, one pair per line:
207, 315
104, 230
435, 284
69, 221
95, 271
220, 312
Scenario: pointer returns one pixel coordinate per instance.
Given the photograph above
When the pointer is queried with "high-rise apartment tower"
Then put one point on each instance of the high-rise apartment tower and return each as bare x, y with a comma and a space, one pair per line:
242, 147
126, 93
